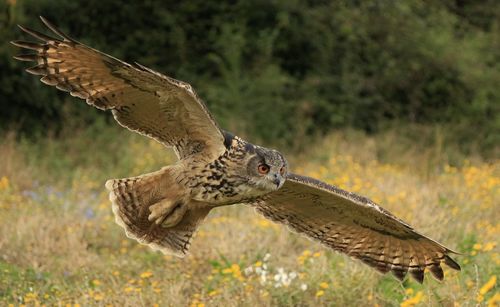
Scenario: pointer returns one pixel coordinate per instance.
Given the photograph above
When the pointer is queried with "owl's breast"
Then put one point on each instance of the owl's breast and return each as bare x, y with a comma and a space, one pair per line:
219, 189
224, 180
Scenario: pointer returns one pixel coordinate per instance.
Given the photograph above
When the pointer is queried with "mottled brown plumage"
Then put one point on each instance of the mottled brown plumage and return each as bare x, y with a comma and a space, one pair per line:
163, 209
360, 228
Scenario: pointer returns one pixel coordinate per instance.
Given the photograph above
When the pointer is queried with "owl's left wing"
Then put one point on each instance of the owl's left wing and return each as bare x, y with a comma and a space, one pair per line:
140, 98
356, 226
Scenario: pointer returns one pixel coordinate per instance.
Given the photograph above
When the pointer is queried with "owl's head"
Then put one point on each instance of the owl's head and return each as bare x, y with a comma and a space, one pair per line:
267, 169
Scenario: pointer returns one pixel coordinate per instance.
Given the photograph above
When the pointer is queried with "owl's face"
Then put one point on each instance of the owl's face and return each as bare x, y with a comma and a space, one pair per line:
267, 169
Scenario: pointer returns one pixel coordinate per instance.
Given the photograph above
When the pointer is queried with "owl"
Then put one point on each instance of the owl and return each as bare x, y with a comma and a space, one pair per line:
216, 168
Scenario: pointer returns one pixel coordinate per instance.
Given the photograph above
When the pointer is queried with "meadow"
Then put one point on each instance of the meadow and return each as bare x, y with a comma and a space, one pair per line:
60, 246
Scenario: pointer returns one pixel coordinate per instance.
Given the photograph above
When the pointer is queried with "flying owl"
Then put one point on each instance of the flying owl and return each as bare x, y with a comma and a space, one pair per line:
216, 168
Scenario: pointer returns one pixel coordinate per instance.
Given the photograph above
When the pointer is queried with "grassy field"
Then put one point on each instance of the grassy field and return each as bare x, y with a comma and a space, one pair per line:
59, 244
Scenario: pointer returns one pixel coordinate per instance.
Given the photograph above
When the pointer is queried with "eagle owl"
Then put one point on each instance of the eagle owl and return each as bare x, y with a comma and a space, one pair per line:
215, 168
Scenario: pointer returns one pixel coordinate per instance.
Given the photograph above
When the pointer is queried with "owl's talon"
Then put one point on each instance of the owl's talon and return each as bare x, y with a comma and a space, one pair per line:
159, 210
167, 213
175, 216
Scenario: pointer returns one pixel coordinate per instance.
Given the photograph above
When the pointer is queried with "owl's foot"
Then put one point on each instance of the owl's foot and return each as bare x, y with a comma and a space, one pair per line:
167, 213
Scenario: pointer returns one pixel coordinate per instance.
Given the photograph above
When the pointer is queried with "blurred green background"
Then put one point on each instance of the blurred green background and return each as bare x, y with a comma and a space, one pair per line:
284, 72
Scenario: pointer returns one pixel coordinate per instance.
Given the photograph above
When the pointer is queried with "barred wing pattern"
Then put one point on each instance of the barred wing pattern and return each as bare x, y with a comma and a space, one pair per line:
140, 99
356, 226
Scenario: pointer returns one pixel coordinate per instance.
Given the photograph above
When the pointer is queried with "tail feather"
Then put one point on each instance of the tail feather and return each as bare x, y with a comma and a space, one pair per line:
131, 199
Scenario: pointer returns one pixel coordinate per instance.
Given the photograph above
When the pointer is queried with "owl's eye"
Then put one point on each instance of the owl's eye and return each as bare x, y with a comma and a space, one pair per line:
263, 169
282, 171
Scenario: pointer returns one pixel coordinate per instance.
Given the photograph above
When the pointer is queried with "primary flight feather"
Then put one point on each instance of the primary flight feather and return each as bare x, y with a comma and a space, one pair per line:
164, 208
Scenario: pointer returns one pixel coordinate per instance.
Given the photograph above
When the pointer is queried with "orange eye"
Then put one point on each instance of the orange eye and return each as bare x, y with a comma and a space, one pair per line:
263, 169
282, 170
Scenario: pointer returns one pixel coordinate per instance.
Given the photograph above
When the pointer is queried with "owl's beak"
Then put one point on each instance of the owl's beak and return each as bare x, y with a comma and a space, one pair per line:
277, 180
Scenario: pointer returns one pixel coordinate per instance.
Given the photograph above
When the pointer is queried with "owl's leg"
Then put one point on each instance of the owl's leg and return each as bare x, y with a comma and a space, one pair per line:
167, 213
155, 210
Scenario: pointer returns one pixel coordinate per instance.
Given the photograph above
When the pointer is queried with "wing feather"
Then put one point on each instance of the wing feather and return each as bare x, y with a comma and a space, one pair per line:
356, 226
141, 99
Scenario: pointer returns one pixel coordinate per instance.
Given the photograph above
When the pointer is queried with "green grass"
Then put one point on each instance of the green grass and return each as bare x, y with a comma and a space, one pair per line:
59, 243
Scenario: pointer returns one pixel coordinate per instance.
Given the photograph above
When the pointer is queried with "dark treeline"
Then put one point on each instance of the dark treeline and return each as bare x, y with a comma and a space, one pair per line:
282, 70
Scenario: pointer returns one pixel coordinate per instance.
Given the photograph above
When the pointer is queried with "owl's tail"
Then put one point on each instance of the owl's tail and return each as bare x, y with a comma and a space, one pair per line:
132, 199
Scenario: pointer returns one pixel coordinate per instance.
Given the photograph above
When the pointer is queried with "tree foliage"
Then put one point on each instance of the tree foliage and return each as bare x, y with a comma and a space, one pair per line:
281, 70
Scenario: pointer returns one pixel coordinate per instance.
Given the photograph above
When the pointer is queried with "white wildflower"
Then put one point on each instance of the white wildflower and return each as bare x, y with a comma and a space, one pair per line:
286, 281
248, 270
263, 278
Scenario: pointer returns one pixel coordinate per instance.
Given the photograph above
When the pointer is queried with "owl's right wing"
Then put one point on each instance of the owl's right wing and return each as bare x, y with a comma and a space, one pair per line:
356, 226
140, 99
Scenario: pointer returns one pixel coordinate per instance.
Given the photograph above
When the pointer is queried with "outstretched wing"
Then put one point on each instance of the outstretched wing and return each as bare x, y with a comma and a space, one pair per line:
141, 99
356, 226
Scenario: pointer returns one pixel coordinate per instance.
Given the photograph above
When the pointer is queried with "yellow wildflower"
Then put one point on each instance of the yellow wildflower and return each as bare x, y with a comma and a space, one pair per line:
485, 288
320, 293
412, 301
469, 283
98, 297
258, 263
323, 285
128, 289
489, 246
494, 300
4, 183
264, 223
30, 296
316, 254
146, 274
496, 258
96, 282
248, 288
301, 260
235, 269
477, 246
